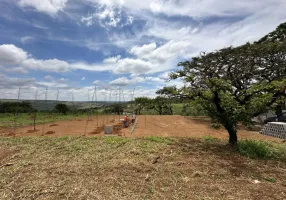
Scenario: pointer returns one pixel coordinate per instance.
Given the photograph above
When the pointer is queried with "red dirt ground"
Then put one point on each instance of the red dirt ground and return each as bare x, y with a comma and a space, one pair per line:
152, 125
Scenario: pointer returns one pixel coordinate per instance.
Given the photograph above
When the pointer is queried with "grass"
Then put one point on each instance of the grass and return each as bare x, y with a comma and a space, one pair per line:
209, 139
260, 149
158, 139
122, 168
24, 119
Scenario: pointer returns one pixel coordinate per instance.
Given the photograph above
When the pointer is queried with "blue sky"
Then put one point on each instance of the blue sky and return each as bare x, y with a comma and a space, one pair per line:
72, 46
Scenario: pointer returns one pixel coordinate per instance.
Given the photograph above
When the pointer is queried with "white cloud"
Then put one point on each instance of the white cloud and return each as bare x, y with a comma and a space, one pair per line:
123, 81
26, 39
11, 82
15, 59
63, 80
192, 8
107, 16
167, 51
49, 84
95, 82
51, 65
10, 54
132, 66
141, 51
83, 78
49, 78
50, 7
165, 75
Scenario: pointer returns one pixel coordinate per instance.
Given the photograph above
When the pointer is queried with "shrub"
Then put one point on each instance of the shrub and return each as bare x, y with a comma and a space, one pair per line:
255, 149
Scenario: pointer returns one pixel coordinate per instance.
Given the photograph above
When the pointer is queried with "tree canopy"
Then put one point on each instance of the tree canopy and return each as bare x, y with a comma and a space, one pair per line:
235, 84
16, 107
140, 103
62, 108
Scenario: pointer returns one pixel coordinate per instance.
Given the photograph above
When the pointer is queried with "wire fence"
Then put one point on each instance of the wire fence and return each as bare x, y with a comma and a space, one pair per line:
89, 110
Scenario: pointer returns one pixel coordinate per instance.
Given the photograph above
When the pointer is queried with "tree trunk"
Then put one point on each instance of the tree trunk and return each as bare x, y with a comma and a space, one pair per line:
232, 134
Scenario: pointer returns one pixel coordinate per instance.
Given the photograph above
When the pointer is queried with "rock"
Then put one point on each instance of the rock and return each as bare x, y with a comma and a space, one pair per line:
197, 174
155, 159
147, 178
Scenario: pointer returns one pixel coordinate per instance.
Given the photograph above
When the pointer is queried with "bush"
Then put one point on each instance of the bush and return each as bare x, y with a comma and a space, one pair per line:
255, 149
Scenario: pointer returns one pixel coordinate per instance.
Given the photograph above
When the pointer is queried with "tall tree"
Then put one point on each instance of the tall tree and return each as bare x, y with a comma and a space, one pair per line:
236, 84
140, 103
161, 105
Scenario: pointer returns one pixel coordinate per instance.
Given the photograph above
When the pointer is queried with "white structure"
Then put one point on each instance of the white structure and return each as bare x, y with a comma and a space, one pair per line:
274, 129
108, 129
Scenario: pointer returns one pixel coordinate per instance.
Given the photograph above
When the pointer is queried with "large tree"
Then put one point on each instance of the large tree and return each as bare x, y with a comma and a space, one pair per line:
140, 103
162, 105
236, 84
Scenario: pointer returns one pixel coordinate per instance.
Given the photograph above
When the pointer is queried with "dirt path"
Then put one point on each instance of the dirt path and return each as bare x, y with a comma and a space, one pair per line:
152, 125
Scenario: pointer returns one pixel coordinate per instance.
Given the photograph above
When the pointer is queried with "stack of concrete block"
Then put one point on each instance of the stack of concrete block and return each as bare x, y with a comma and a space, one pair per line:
274, 129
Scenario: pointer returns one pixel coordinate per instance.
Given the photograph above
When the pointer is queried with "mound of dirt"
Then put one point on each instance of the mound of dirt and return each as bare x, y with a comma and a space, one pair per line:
54, 125
10, 134
50, 132
32, 131
117, 129
98, 130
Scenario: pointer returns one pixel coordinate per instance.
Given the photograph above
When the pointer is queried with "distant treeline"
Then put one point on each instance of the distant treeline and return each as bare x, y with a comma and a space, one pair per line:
16, 107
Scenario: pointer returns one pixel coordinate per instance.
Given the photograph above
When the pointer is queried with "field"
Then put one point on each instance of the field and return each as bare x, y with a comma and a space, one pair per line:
166, 157
148, 125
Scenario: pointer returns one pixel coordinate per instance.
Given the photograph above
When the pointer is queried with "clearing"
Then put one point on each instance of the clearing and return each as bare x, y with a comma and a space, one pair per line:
148, 125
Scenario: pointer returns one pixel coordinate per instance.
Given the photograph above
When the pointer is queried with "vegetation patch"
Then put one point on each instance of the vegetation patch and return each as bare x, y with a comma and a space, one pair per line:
260, 149
209, 139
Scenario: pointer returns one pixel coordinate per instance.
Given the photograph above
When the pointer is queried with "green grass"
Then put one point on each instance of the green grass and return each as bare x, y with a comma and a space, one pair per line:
209, 139
260, 149
164, 140
24, 119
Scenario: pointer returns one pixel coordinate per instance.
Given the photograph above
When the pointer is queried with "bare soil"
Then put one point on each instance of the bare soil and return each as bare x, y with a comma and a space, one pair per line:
150, 125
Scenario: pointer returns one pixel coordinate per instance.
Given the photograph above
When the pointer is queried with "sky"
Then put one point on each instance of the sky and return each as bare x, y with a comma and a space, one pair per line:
109, 49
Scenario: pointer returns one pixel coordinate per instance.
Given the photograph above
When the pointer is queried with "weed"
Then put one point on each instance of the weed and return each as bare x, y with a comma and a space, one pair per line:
270, 179
209, 138
256, 149
115, 140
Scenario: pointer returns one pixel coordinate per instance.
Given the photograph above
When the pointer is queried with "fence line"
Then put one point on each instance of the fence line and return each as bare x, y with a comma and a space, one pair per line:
44, 99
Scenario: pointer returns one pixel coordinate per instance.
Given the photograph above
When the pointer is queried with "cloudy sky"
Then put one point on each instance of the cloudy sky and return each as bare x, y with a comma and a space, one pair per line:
71, 46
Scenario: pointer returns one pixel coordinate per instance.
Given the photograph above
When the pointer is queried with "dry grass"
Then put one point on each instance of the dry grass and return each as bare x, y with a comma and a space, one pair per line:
121, 168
